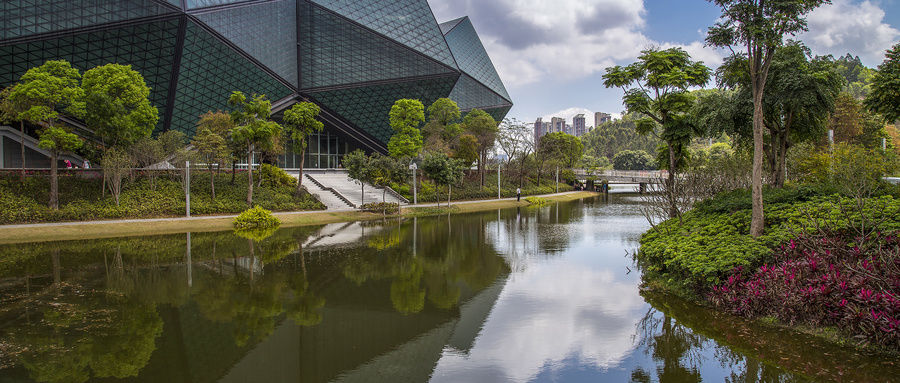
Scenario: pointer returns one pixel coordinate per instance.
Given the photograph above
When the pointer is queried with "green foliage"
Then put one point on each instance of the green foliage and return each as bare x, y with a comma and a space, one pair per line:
713, 239
405, 117
884, 98
301, 121
615, 136
58, 140
275, 177
849, 169
535, 201
633, 160
80, 199
442, 169
256, 218
357, 165
46, 91
386, 208
656, 87
560, 148
117, 105
467, 150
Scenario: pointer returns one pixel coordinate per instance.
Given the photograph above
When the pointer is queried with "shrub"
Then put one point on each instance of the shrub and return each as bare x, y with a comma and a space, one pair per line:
710, 241
824, 281
381, 207
633, 160
256, 218
276, 177
537, 201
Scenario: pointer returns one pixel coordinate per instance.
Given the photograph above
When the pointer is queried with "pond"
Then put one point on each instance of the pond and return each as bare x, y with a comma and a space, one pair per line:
515, 295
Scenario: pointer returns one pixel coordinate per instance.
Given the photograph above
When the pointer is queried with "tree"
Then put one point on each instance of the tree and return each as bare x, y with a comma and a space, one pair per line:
384, 171
467, 150
614, 136
117, 105
799, 95
443, 170
253, 128
358, 168
213, 147
442, 128
657, 87
9, 112
633, 160
116, 164
481, 125
301, 122
559, 148
405, 117
885, 96
516, 141
57, 141
758, 27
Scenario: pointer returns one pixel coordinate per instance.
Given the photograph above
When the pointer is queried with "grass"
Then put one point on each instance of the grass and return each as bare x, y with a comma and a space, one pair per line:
112, 229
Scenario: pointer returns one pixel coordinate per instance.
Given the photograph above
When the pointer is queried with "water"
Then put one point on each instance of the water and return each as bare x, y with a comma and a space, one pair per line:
508, 296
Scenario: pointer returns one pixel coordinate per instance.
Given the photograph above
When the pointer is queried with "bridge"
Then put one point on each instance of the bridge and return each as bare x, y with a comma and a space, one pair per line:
623, 176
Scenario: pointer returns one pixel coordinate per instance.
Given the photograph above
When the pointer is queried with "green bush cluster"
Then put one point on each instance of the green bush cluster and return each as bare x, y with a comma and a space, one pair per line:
537, 201
470, 189
381, 207
276, 177
256, 218
710, 241
81, 199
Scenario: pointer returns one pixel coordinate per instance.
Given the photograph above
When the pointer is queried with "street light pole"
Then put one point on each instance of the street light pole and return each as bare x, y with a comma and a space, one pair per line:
413, 167
498, 180
187, 187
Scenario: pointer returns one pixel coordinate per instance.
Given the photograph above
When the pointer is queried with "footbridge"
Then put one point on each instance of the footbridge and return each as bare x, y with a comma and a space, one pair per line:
623, 176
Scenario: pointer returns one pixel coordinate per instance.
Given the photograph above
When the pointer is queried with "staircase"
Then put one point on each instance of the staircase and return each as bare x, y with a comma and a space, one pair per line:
331, 198
341, 185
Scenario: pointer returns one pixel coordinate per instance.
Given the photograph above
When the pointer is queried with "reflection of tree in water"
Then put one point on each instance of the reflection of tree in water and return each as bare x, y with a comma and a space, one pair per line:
671, 332
451, 254
82, 332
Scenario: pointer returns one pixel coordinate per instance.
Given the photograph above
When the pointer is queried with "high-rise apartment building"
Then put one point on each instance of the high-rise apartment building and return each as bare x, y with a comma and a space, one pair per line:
558, 125
578, 125
601, 118
540, 129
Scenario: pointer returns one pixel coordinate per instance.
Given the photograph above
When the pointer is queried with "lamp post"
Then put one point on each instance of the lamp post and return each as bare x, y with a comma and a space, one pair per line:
500, 159
413, 167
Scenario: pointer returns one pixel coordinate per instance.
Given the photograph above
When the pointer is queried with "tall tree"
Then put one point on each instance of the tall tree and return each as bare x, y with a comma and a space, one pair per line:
443, 170
800, 93
57, 141
481, 125
359, 168
212, 146
253, 128
614, 136
442, 128
885, 96
657, 87
301, 122
405, 117
117, 105
9, 113
757, 27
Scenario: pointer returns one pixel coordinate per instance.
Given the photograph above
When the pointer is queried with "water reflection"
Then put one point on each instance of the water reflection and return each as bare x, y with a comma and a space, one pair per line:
512, 295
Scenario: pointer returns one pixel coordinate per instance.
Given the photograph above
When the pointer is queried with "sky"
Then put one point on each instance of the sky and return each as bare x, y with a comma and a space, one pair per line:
551, 54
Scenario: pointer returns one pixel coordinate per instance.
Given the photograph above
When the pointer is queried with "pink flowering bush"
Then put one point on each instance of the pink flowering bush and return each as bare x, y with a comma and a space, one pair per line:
824, 281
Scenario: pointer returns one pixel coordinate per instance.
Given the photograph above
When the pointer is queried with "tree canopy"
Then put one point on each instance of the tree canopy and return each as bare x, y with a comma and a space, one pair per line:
405, 117
44, 92
117, 104
885, 96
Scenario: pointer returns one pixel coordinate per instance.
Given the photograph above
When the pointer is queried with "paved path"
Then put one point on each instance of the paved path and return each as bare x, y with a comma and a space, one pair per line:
232, 216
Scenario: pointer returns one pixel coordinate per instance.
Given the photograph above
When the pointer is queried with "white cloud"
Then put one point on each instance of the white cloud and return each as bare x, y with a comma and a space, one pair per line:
849, 26
531, 41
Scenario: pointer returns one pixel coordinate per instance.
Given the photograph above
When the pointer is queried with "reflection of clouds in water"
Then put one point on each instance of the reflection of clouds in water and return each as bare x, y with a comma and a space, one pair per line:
552, 312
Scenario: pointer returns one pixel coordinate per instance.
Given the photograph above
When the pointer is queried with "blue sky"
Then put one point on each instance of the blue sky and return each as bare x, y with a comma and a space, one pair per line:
551, 54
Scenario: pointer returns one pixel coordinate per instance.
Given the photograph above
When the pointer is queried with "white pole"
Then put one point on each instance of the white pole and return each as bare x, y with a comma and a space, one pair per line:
187, 187
415, 192
190, 276
498, 179
557, 179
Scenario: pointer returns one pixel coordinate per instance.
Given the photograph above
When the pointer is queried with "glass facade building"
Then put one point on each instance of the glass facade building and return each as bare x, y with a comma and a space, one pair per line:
353, 58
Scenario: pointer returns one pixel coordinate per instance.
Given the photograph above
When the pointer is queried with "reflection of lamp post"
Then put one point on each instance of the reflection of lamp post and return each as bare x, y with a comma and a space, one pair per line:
413, 167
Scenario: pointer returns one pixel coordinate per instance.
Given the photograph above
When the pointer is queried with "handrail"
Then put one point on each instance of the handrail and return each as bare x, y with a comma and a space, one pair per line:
395, 194
330, 189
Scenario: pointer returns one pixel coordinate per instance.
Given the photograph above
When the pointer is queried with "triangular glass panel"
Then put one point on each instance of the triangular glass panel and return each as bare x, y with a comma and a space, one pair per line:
29, 17
472, 58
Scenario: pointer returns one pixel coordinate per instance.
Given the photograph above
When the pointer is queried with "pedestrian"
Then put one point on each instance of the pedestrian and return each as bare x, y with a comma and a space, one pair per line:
68, 164
518, 194
85, 165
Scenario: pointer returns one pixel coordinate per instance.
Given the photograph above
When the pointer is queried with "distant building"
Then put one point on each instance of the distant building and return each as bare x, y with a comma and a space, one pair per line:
558, 125
600, 118
540, 129
578, 125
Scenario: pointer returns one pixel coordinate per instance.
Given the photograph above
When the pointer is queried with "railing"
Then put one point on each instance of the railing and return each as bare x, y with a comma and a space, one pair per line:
395, 194
651, 174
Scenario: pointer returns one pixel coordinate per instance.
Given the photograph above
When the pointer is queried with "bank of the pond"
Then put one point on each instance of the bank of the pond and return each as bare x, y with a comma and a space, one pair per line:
141, 227
824, 262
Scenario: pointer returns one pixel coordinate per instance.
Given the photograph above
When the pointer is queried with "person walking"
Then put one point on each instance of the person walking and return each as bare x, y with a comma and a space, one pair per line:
518, 194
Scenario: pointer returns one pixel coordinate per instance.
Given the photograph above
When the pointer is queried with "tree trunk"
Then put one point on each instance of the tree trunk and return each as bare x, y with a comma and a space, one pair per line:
757, 221
250, 176
54, 186
781, 162
449, 193
670, 183
233, 169
22, 141
481, 168
300, 175
362, 193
